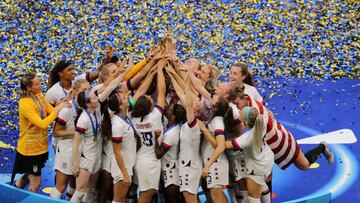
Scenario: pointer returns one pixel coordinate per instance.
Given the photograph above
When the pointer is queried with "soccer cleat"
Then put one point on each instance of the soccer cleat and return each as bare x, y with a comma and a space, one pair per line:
327, 153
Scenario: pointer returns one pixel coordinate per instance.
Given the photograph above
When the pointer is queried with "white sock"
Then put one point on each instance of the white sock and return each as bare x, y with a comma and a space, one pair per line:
77, 196
242, 197
89, 195
70, 191
265, 195
253, 200
266, 198
55, 193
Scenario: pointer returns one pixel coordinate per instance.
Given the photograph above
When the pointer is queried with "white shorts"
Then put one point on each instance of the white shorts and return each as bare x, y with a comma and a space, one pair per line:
91, 165
189, 179
63, 156
148, 172
260, 179
116, 172
218, 174
258, 176
237, 165
106, 163
170, 173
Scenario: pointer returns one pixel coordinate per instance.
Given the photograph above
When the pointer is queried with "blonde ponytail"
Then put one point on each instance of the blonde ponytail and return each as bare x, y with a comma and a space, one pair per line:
259, 125
255, 120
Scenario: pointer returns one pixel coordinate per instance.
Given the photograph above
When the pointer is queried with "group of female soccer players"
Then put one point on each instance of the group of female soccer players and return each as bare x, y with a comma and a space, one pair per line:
158, 125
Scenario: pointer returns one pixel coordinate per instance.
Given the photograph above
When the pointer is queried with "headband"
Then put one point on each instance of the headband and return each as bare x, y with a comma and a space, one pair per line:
247, 112
87, 96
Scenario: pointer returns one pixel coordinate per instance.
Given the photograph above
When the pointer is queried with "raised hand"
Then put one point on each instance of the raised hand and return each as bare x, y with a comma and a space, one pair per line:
110, 51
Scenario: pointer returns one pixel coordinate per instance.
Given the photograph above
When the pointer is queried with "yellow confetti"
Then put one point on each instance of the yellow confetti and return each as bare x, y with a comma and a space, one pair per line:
6, 146
272, 94
47, 190
314, 165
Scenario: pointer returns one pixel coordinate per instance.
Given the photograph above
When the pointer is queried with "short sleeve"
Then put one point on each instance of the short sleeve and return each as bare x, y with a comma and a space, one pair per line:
118, 132
50, 97
218, 126
171, 138
194, 126
242, 141
64, 116
81, 125
159, 109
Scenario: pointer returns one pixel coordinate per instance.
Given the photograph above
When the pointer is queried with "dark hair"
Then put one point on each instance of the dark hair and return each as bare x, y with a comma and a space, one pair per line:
249, 78
111, 103
223, 109
114, 59
141, 108
236, 92
180, 113
54, 76
210, 86
82, 99
25, 82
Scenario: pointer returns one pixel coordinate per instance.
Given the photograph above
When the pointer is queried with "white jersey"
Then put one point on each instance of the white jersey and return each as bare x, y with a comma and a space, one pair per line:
189, 154
216, 127
63, 155
145, 130
57, 93
235, 111
92, 146
252, 92
66, 116
258, 161
123, 132
170, 144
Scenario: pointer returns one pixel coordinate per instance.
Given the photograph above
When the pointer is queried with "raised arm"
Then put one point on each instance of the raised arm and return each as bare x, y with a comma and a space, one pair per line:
161, 89
109, 54
106, 89
178, 78
134, 81
189, 105
179, 91
146, 84
199, 87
